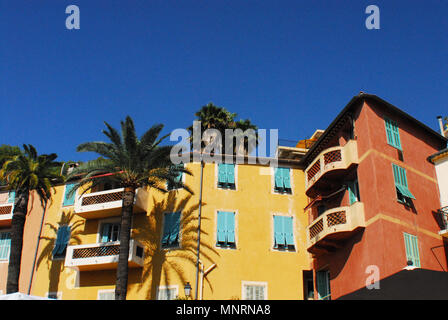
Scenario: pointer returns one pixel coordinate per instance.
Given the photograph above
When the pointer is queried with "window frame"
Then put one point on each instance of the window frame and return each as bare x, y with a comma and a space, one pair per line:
232, 187
61, 256
407, 196
226, 245
169, 287
414, 247
394, 131
282, 247
6, 260
286, 191
244, 284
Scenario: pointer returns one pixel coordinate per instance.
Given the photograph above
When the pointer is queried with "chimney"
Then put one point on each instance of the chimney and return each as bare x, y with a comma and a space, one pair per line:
442, 131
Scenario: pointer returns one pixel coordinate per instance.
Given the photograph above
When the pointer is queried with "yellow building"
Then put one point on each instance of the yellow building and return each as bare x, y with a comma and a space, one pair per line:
252, 240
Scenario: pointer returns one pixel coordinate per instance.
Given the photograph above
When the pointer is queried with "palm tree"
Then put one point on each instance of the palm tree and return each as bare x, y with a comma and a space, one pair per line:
219, 118
130, 163
24, 173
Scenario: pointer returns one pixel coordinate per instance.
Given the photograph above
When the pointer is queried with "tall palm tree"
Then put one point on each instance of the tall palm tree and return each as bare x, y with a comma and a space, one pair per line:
130, 163
219, 118
24, 173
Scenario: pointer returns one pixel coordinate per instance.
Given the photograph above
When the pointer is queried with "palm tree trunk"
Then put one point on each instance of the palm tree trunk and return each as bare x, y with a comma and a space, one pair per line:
15, 254
121, 286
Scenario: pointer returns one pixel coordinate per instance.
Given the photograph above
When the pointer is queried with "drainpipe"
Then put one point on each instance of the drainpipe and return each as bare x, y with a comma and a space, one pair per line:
442, 131
199, 229
37, 247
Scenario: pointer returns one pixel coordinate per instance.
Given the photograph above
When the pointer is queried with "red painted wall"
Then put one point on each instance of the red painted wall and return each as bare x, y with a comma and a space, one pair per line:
381, 243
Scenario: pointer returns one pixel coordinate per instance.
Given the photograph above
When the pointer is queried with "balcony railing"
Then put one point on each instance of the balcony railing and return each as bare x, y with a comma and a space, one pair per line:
107, 203
444, 218
102, 256
335, 224
6, 210
331, 159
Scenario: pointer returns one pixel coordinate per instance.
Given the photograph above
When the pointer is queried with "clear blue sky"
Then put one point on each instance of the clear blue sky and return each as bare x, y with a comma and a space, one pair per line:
291, 65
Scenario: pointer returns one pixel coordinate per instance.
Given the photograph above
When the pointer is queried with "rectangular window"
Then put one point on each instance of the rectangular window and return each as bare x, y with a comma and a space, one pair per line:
411, 245
226, 175
283, 232
69, 200
323, 285
110, 232
178, 179
226, 229
401, 184
5, 245
171, 227
282, 180
62, 239
353, 191
106, 294
392, 133
254, 292
167, 293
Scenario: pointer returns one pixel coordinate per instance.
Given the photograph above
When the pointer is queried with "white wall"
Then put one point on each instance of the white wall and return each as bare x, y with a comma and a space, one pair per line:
441, 166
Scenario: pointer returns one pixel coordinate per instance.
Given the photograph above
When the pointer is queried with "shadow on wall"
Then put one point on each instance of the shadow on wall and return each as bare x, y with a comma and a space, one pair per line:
162, 263
56, 265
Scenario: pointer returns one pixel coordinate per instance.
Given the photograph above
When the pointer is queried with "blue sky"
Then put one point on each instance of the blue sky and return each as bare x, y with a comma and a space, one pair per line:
287, 65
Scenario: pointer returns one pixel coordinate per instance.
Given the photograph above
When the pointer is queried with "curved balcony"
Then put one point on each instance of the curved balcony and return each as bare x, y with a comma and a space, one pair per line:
336, 224
102, 256
330, 163
107, 203
6, 210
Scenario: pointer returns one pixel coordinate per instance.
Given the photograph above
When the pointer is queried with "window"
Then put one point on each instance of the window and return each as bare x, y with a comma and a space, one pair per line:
110, 232
392, 133
167, 293
69, 200
178, 178
283, 232
106, 294
226, 229
226, 175
323, 285
5, 245
411, 245
282, 180
62, 239
254, 291
401, 184
353, 191
11, 196
171, 227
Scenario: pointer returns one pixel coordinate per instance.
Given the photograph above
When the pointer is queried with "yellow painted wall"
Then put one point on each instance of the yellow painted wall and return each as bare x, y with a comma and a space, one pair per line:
253, 259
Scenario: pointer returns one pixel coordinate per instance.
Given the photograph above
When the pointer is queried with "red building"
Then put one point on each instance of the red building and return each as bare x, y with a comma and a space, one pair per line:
373, 197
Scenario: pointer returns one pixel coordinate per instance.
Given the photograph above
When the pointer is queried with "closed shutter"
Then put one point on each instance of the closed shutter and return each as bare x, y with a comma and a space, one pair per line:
279, 178
286, 178
411, 247
11, 196
222, 173
69, 200
279, 236
62, 239
5, 245
288, 230
230, 173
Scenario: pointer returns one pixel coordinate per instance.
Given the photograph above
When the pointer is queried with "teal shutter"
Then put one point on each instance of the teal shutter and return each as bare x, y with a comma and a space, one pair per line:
11, 196
105, 232
279, 235
69, 200
175, 227
62, 239
286, 178
222, 173
230, 173
278, 178
5, 245
221, 228
411, 246
230, 225
392, 133
401, 182
352, 192
323, 285
166, 228
288, 230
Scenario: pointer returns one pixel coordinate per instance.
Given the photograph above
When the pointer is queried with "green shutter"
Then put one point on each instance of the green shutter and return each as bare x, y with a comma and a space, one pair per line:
230, 173
288, 229
221, 227
5, 245
175, 227
323, 285
352, 192
62, 239
279, 236
222, 173
392, 133
230, 225
286, 178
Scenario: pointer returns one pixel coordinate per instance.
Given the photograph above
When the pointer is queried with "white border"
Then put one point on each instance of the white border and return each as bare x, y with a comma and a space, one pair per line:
253, 283
165, 288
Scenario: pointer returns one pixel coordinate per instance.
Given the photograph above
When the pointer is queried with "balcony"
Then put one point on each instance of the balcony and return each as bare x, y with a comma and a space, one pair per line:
444, 218
332, 164
108, 203
6, 210
334, 225
102, 256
